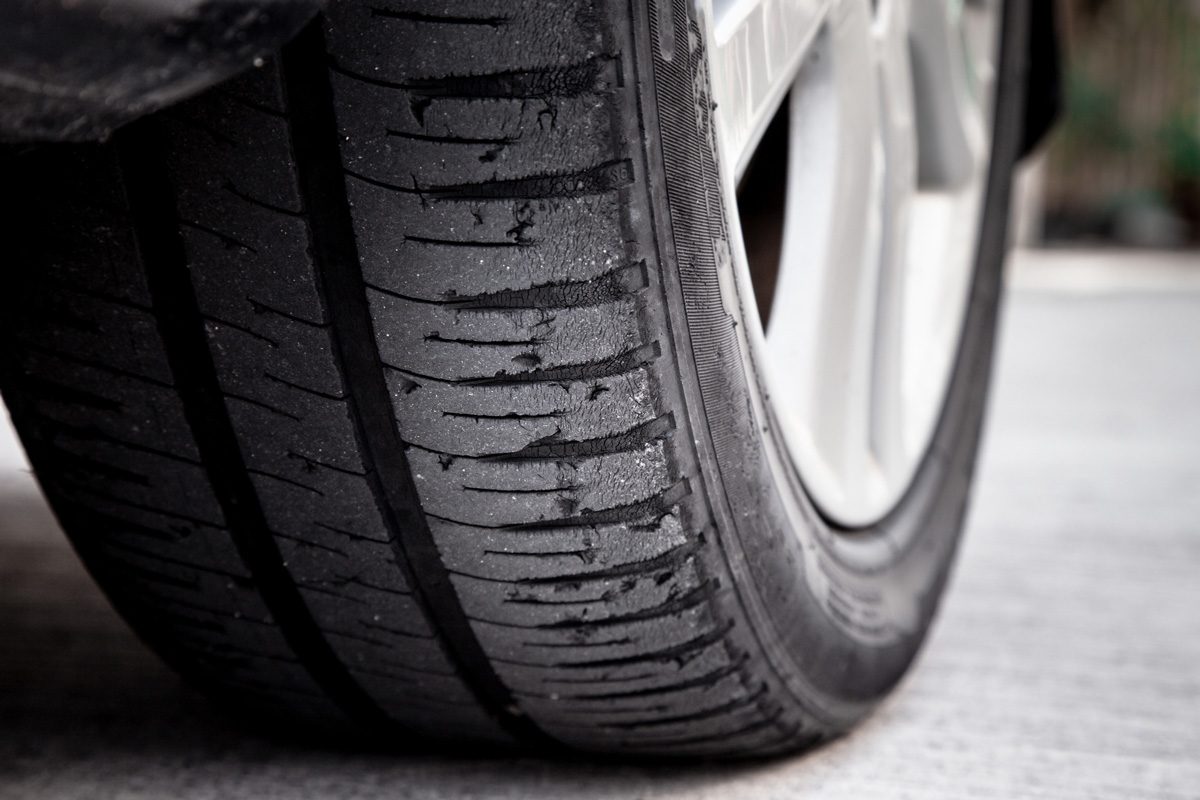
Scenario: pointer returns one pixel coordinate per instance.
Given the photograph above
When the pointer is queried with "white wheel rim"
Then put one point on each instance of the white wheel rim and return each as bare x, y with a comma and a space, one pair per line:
889, 145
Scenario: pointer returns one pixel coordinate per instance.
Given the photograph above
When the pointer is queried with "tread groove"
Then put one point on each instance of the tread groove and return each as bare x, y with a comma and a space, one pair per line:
314, 134
430, 137
679, 653
610, 367
438, 19
432, 241
704, 681
640, 512
614, 286
92, 433
599, 179
554, 449
671, 559
161, 248
527, 84
99, 366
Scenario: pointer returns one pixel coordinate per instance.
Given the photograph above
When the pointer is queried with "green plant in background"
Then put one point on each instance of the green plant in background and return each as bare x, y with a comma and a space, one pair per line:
1179, 140
1091, 118
1179, 144
1128, 141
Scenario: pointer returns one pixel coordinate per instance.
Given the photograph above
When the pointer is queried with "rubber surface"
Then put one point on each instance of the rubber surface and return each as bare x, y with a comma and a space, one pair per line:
390, 384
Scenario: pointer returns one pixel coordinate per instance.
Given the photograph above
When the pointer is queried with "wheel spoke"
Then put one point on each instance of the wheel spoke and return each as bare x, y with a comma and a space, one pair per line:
827, 351
891, 35
953, 137
758, 48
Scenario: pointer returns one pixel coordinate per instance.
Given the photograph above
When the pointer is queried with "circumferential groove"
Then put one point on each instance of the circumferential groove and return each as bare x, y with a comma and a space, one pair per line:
181, 326
314, 133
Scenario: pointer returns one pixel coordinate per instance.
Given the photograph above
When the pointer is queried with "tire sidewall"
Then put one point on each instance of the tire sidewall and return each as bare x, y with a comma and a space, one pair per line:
839, 630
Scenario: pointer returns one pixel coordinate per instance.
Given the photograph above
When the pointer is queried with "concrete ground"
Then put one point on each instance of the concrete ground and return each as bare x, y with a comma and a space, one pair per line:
1065, 664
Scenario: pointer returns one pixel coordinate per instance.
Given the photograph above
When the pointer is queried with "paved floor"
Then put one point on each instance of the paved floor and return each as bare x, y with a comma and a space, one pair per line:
1066, 663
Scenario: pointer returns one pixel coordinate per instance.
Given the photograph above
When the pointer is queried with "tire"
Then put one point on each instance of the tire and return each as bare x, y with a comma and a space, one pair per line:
391, 387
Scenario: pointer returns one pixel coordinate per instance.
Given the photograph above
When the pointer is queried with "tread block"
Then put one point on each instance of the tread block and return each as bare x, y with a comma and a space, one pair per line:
480, 421
545, 493
407, 260
453, 344
564, 556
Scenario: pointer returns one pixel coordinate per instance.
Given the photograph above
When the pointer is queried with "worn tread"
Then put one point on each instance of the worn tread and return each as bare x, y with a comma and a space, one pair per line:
421, 457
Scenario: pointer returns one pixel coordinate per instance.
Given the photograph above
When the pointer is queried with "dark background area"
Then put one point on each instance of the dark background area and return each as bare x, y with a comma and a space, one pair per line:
1123, 166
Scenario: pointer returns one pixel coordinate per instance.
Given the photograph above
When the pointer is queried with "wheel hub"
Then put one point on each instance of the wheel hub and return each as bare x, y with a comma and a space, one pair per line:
888, 148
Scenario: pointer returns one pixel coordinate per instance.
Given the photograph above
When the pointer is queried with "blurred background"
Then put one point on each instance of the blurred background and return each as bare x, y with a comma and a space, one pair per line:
1123, 166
